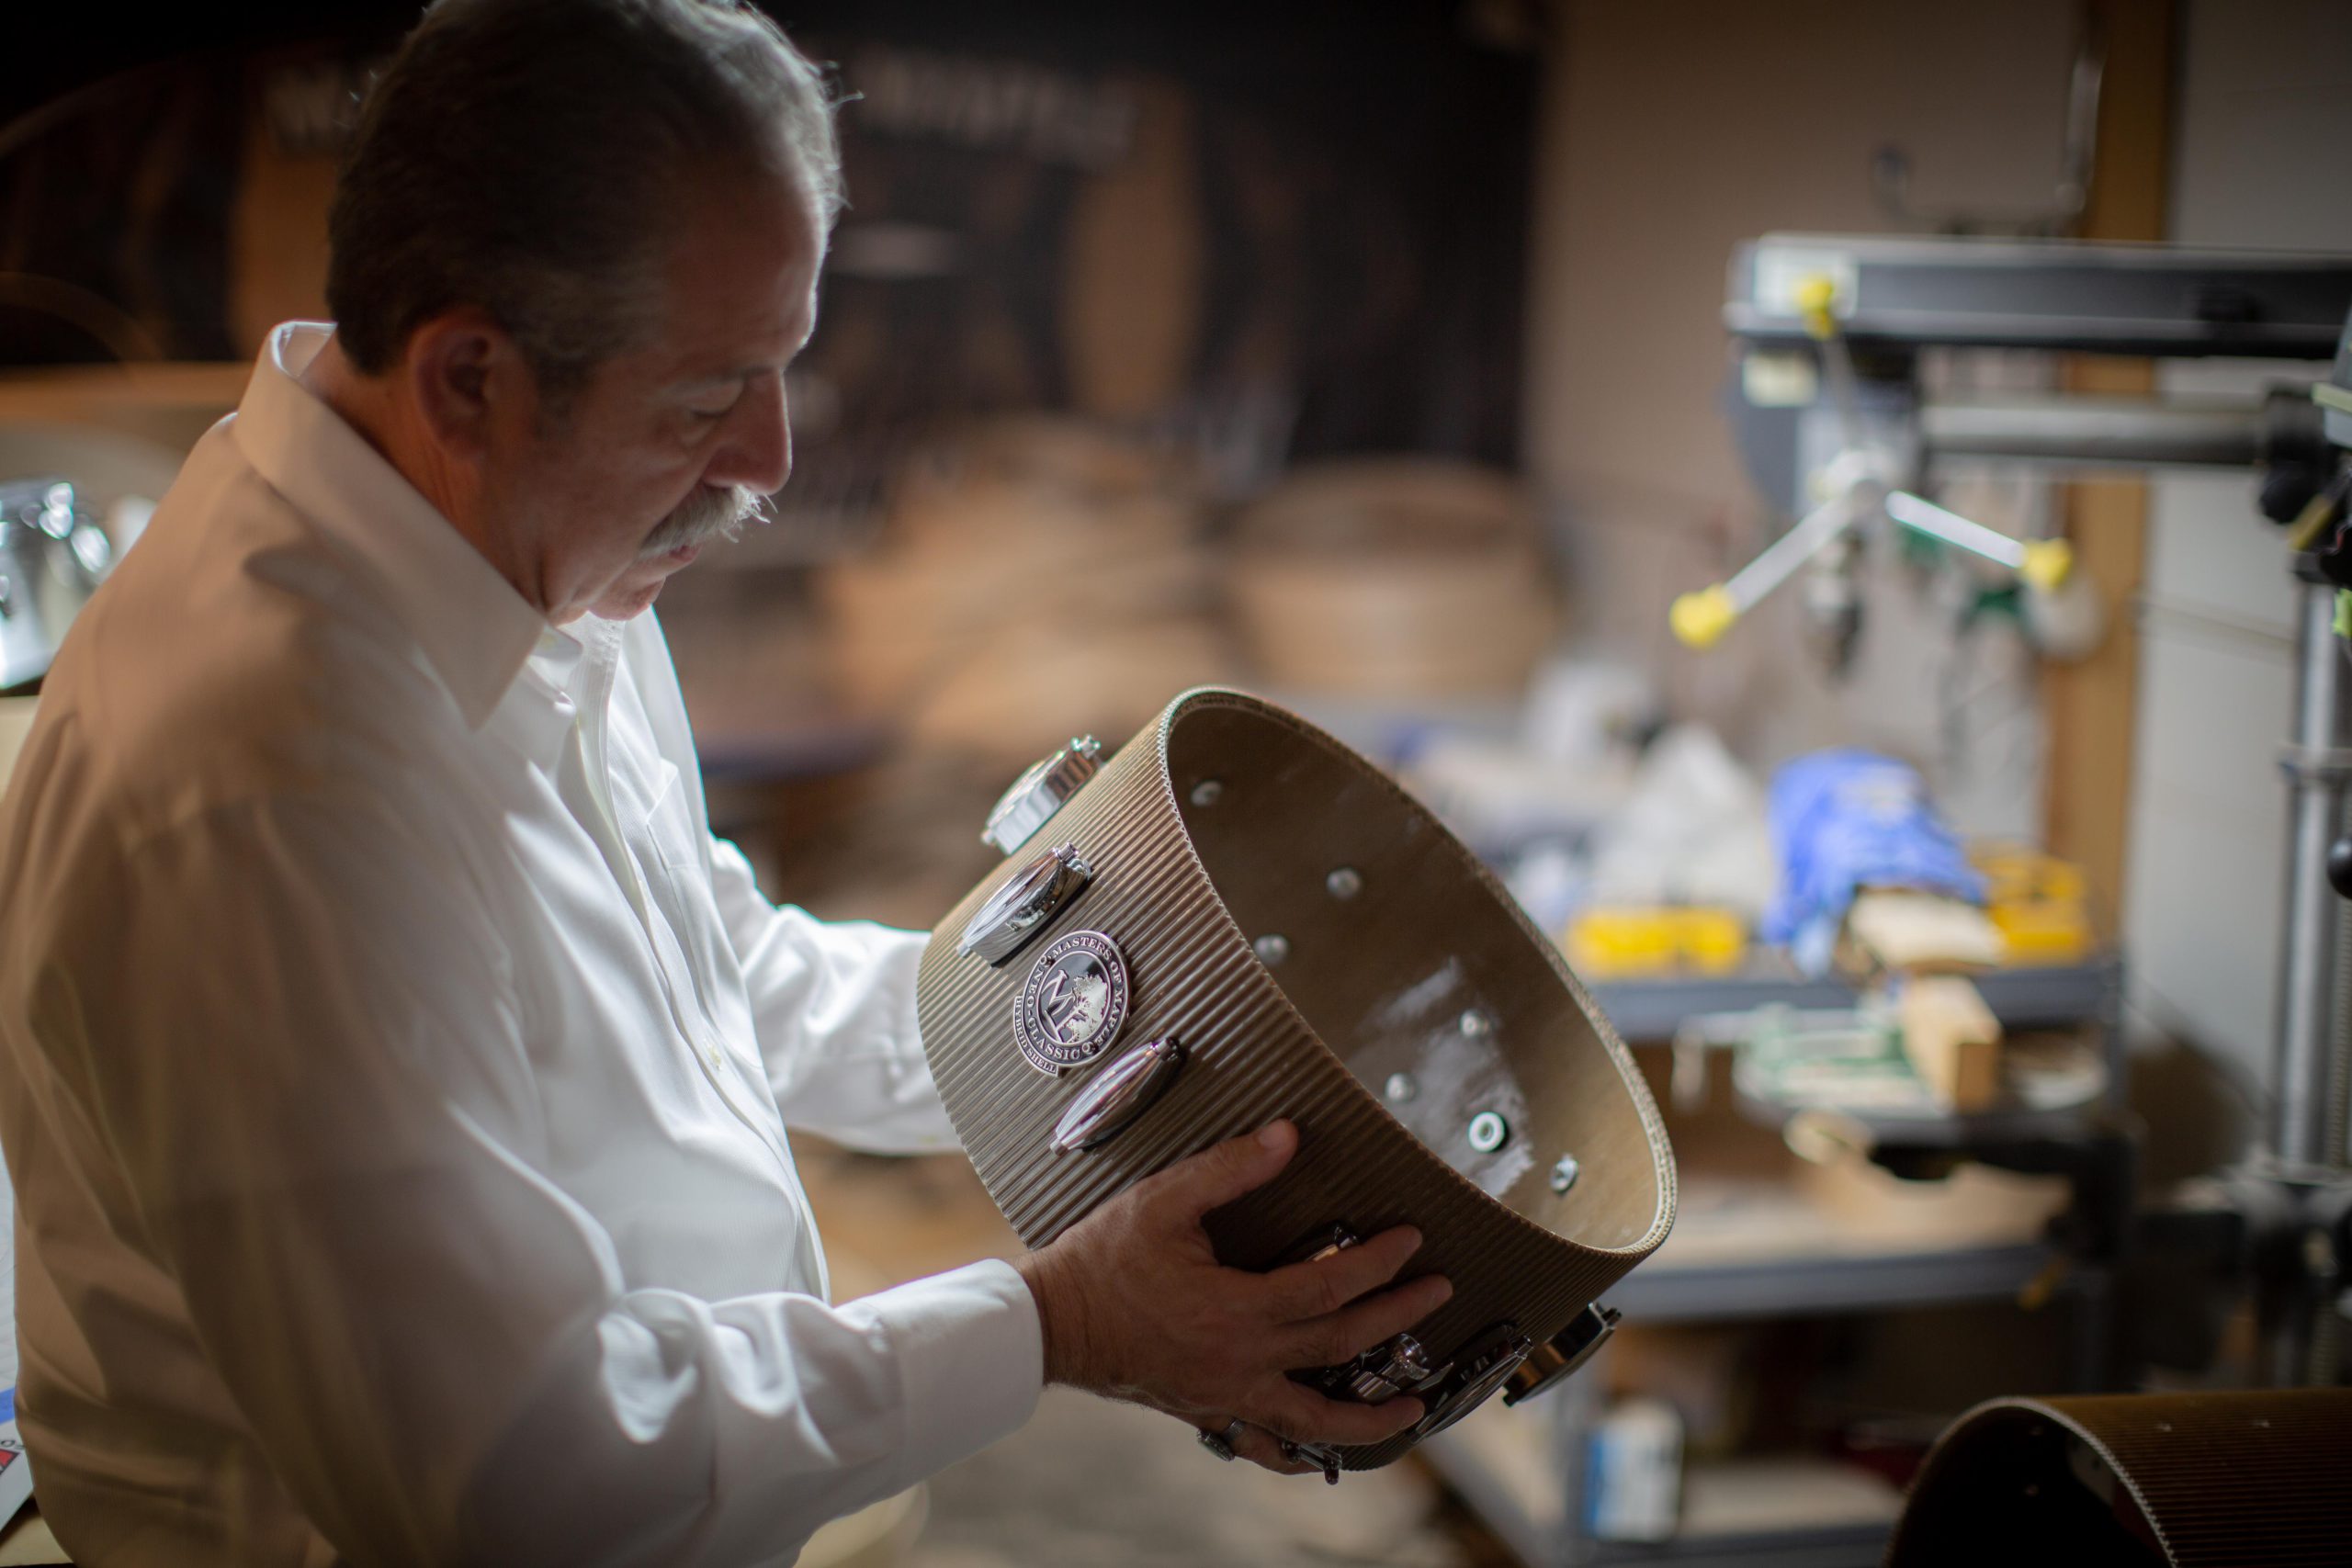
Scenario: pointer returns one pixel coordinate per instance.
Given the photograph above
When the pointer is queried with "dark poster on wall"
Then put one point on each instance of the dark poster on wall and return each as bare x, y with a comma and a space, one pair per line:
1281, 231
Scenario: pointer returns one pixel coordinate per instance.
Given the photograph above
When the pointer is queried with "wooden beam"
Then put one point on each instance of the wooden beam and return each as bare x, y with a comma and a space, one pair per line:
2089, 707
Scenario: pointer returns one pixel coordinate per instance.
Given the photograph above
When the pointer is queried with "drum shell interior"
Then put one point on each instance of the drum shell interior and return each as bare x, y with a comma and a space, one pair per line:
1375, 982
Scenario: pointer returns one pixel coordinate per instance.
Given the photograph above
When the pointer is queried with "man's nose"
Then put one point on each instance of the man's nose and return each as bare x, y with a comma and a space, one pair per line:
757, 452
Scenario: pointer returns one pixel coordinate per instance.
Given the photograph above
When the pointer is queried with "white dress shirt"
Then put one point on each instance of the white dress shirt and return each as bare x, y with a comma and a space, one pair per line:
394, 1073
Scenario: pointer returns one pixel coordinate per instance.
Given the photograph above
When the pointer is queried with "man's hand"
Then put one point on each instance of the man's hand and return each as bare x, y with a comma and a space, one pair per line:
1134, 1305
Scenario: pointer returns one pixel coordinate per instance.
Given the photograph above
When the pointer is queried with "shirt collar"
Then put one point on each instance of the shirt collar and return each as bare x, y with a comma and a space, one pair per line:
538, 709
570, 671
473, 627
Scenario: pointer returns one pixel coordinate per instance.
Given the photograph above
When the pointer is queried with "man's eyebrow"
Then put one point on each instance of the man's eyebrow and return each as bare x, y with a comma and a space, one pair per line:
740, 372
731, 376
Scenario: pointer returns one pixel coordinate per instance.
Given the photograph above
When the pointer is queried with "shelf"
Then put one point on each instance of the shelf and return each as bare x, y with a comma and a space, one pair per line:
1975, 1130
1788, 1287
2022, 998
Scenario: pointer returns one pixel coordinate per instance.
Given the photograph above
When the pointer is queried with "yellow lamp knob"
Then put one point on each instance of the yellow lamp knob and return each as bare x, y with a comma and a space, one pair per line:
2047, 563
1701, 619
1815, 296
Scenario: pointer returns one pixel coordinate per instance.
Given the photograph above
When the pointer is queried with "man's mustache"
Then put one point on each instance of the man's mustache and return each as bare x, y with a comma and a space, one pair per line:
710, 513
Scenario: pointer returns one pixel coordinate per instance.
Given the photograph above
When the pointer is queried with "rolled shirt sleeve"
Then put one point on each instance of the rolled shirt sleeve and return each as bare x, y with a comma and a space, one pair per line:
329, 1133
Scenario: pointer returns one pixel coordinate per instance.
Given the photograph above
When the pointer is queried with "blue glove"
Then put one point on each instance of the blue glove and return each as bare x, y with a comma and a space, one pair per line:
1845, 820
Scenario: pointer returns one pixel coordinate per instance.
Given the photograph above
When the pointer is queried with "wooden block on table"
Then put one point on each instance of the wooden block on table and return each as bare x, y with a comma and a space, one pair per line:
1909, 930
1953, 1039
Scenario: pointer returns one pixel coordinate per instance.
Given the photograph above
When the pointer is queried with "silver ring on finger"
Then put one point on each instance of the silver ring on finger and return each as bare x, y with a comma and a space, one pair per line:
1221, 1443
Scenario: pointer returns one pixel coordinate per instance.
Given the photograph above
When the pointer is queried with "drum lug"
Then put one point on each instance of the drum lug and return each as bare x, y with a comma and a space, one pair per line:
1024, 904
1118, 1094
1398, 1366
1326, 1460
1558, 1358
1036, 795
1493, 1357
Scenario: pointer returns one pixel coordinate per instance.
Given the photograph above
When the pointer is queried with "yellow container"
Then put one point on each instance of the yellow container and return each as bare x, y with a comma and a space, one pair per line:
2039, 904
1713, 941
1626, 942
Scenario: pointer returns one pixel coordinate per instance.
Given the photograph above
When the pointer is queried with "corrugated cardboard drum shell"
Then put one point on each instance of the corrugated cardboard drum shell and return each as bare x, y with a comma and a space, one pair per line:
1374, 984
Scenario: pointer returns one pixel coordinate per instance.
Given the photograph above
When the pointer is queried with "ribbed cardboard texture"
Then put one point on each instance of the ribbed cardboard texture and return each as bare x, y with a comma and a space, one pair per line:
1184, 879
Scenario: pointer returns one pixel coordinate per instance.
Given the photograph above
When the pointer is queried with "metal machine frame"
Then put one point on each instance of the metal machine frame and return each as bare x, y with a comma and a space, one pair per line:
1849, 318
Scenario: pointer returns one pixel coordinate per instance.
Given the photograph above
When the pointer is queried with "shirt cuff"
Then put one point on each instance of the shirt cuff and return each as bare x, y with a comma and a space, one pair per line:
973, 1358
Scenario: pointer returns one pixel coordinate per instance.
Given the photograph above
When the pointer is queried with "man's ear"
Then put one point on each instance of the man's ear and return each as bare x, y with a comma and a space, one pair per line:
468, 380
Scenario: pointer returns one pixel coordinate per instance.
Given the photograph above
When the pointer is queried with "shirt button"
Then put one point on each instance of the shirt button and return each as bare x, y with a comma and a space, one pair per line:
716, 1060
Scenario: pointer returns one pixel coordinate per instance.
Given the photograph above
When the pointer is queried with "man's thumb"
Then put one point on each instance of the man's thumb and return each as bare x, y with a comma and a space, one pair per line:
1219, 1174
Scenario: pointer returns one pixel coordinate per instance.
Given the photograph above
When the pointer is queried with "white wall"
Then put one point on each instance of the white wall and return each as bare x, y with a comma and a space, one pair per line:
2262, 157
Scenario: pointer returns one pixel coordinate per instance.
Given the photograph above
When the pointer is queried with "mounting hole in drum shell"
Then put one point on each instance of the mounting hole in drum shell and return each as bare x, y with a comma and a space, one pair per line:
1414, 969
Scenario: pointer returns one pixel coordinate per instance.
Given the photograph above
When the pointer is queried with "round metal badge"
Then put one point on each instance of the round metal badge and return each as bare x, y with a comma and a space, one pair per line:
1073, 1004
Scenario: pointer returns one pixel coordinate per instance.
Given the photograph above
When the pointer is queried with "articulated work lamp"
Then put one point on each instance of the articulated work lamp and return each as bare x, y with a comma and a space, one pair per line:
1861, 483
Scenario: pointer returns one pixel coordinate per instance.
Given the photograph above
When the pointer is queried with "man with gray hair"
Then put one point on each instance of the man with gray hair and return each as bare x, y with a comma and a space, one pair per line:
394, 1071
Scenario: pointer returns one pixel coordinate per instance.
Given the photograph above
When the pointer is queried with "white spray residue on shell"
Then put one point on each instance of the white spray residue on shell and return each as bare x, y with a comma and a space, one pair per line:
1457, 1073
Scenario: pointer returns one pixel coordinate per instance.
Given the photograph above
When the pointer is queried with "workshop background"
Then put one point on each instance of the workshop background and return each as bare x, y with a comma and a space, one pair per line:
1372, 356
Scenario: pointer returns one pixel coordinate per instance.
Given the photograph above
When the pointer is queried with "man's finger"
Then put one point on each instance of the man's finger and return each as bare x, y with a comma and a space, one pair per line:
1326, 1284
1261, 1447
1222, 1172
1303, 1416
1337, 1336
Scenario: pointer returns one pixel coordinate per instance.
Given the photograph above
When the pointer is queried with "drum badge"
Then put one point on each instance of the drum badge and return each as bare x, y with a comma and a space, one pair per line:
1074, 1003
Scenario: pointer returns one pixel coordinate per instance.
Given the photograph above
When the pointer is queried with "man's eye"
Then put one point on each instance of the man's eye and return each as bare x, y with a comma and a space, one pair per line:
717, 413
